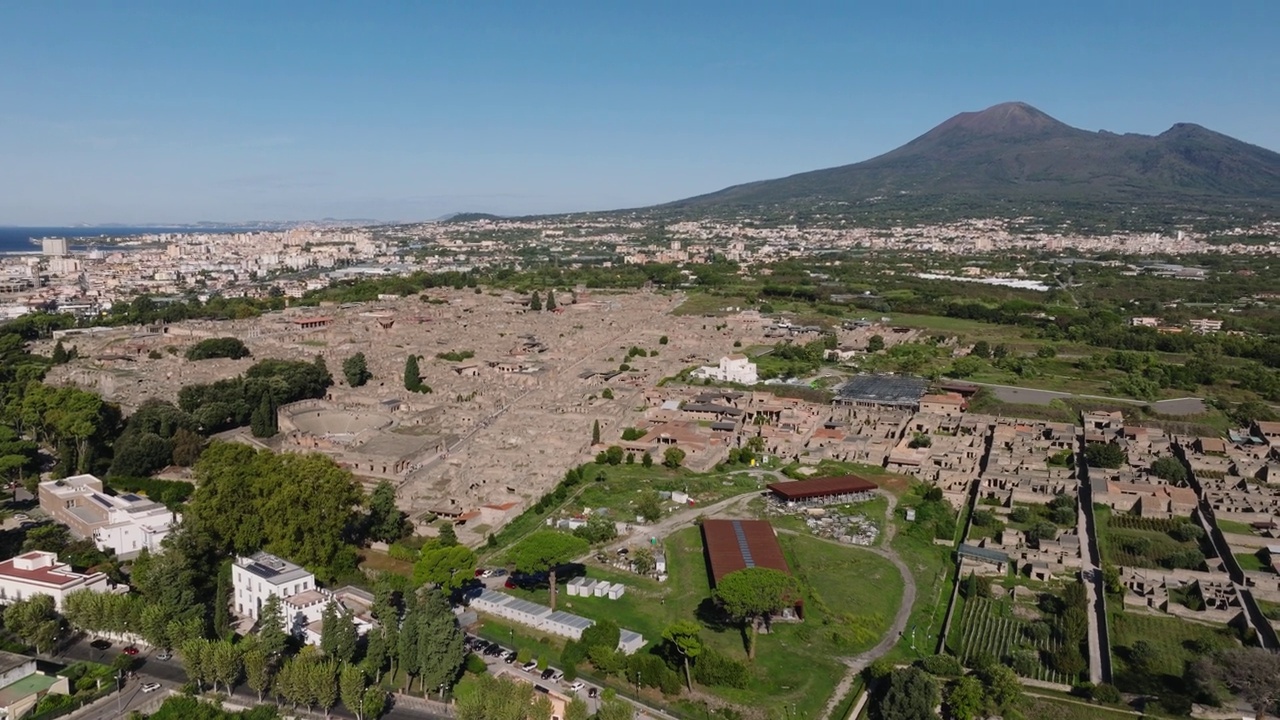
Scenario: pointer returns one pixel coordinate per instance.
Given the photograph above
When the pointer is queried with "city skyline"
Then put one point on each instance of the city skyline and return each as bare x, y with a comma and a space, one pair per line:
408, 113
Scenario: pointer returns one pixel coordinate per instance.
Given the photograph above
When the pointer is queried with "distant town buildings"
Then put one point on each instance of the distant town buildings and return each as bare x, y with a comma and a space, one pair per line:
124, 524
732, 369
40, 573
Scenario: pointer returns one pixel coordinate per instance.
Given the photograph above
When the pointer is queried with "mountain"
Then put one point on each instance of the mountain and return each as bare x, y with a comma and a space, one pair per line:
1013, 158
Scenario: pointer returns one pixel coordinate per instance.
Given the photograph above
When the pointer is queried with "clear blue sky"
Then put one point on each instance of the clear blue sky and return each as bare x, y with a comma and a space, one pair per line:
162, 112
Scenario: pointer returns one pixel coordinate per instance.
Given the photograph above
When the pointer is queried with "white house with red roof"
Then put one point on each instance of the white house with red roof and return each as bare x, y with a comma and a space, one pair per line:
40, 573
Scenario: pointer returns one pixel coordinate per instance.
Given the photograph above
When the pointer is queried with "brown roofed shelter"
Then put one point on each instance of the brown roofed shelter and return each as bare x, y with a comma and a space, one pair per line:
733, 545
824, 490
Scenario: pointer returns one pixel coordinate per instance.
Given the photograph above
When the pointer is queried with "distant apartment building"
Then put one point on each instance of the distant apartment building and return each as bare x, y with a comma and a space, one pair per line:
1206, 325
125, 524
1150, 322
40, 573
732, 368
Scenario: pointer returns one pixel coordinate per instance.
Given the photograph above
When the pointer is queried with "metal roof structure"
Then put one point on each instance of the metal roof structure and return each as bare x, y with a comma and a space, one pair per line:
884, 389
570, 620
987, 554
821, 487
733, 545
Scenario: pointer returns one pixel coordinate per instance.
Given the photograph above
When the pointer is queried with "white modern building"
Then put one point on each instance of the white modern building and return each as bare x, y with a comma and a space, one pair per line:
302, 601
40, 573
261, 575
734, 368
125, 524
542, 618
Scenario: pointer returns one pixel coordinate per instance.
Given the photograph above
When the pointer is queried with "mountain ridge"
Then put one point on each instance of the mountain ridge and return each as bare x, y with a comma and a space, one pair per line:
1015, 156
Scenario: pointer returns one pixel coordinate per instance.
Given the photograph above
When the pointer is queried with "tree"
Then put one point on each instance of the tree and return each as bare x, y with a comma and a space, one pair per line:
1003, 687
614, 454
673, 457
187, 446
272, 634
374, 701
448, 537
322, 683
356, 370
649, 506
448, 567
351, 685
875, 343
1253, 674
911, 695
965, 699
683, 638
616, 708
35, 621
1104, 455
1169, 468
386, 523
60, 356
338, 636
595, 433
412, 375
751, 595
257, 669
981, 349
441, 653
646, 460
535, 302
263, 422
544, 551
577, 709
551, 300
225, 663
195, 658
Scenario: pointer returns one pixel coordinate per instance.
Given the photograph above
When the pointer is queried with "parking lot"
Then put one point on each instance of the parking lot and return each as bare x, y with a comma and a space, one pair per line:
496, 656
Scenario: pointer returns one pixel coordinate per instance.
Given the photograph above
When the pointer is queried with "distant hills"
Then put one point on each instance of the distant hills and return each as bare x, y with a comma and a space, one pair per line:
1015, 159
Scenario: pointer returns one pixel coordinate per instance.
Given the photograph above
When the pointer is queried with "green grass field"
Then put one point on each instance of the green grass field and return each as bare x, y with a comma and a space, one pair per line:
1250, 562
1175, 641
1237, 528
851, 597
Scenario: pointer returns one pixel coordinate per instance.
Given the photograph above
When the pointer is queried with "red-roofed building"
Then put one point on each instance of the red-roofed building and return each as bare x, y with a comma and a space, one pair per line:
733, 545
824, 490
40, 573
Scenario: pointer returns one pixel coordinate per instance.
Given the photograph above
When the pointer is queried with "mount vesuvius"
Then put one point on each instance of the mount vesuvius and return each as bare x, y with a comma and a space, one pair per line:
1015, 158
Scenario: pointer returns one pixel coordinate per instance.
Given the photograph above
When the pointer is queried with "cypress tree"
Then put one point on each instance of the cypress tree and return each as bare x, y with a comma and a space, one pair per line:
60, 354
595, 433
412, 376
535, 302
551, 300
262, 422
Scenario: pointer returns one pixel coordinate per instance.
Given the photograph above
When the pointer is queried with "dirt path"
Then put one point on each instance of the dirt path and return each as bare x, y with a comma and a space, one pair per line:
858, 662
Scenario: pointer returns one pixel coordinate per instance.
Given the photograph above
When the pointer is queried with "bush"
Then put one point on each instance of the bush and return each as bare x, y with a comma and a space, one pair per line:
476, 664
719, 670
1106, 693
942, 666
1104, 455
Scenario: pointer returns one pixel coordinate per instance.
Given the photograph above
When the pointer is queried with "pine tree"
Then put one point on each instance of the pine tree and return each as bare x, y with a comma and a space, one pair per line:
356, 370
440, 650
595, 433
271, 631
551, 300
60, 354
535, 302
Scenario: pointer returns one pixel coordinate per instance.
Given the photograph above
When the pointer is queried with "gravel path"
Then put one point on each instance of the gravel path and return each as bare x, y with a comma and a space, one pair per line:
858, 662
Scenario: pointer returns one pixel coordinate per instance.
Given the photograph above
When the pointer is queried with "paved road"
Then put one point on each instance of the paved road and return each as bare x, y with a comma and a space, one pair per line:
1032, 396
171, 676
857, 663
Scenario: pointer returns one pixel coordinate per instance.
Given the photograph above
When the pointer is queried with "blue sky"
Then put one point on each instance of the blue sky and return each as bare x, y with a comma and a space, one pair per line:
154, 112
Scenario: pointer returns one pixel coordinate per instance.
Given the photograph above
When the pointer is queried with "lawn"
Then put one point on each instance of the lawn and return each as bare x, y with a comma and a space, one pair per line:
933, 568
851, 597
1175, 641
1236, 528
704, 304
1250, 562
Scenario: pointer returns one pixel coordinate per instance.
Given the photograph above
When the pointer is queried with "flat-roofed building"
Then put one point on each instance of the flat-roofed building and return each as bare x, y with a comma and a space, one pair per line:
125, 524
40, 573
261, 575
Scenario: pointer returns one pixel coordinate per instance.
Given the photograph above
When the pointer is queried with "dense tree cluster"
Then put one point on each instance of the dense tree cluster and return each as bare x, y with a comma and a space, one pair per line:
222, 347
230, 403
303, 507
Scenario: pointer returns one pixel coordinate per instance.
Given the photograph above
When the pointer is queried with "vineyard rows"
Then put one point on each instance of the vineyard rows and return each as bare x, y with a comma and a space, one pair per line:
983, 630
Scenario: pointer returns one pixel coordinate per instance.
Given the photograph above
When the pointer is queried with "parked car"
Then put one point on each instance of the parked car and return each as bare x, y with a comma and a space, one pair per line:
593, 692
164, 655
150, 687
557, 675
130, 651
510, 584
530, 666
100, 644
479, 572
574, 686
546, 674
499, 572
494, 650
510, 657
21, 517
